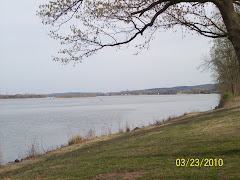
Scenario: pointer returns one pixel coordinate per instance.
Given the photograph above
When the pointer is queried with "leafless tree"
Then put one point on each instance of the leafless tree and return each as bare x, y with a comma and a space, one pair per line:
225, 66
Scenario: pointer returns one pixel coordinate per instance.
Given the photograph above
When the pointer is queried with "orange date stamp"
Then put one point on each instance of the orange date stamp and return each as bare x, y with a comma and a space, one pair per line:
195, 162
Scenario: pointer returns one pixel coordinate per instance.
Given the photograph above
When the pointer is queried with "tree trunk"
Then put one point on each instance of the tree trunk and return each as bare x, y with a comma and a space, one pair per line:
232, 21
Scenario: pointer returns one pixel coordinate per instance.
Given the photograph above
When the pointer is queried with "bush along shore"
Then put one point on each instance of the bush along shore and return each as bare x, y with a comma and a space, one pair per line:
194, 146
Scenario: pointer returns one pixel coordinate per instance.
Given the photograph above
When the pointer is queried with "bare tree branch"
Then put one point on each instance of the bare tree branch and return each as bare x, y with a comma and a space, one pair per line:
114, 23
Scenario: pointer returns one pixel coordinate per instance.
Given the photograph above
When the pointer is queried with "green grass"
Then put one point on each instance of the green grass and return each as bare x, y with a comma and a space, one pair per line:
150, 153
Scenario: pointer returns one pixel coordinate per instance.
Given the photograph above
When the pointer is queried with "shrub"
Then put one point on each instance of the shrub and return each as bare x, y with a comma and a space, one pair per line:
33, 150
76, 140
91, 134
224, 99
127, 128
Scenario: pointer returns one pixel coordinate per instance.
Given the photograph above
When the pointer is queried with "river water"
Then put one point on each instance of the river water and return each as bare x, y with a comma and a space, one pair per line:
49, 123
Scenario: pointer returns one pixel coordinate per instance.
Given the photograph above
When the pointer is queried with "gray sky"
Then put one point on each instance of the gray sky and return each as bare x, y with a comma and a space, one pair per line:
26, 65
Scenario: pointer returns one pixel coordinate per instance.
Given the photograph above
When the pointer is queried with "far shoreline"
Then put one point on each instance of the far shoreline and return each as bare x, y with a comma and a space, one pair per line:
39, 96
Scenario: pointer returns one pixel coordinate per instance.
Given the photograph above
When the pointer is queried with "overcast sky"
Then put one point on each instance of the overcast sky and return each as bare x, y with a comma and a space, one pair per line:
26, 64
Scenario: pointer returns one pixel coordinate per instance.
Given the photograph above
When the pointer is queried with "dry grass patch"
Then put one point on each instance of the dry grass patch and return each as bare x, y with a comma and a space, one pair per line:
77, 140
233, 103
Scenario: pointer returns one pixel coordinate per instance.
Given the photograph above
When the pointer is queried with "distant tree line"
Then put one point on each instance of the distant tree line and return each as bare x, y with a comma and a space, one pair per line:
75, 95
164, 92
17, 96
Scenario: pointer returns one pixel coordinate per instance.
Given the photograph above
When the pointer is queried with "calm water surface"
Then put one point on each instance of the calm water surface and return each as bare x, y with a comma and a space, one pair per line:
49, 123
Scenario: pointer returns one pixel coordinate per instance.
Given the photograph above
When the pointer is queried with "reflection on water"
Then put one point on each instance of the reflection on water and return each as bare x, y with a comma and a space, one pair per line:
49, 123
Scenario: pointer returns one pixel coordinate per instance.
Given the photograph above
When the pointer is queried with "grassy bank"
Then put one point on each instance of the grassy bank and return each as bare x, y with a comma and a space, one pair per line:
148, 153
